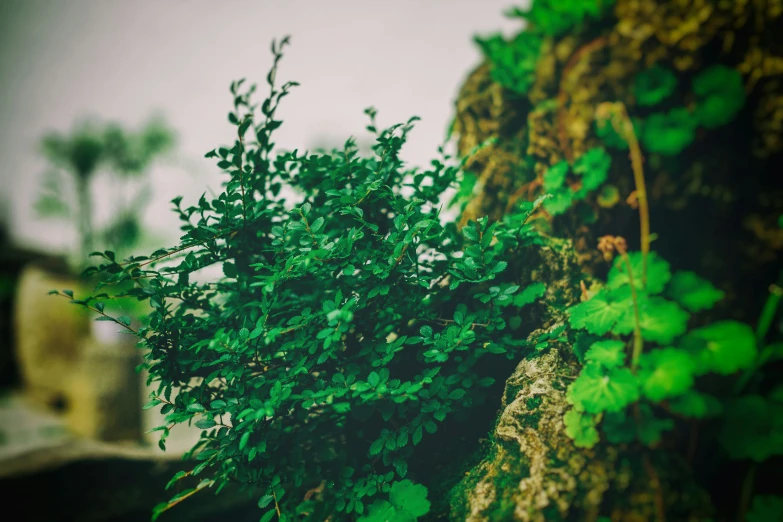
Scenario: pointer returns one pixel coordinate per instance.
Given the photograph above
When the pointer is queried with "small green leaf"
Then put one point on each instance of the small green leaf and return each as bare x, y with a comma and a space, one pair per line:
665, 373
596, 391
658, 272
580, 427
610, 354
317, 224
530, 294
599, 314
661, 321
555, 176
243, 440
765, 508
205, 423
696, 405
561, 201
724, 347
265, 501
752, 428
410, 498
693, 292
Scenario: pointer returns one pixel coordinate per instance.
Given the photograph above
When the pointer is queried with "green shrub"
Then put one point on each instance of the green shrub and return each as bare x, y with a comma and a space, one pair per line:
346, 326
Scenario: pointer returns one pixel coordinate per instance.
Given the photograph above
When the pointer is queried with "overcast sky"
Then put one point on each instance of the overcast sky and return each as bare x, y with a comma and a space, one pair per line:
61, 60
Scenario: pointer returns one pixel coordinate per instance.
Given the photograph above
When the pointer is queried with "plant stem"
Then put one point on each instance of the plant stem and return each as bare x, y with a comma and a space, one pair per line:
85, 214
747, 492
768, 313
638, 343
625, 128
242, 179
641, 190
655, 482
765, 322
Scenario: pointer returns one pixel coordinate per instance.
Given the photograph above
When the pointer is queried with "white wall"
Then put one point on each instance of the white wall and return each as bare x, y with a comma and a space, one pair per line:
123, 59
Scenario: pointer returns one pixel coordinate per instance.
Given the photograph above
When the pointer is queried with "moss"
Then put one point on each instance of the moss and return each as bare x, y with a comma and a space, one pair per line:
702, 183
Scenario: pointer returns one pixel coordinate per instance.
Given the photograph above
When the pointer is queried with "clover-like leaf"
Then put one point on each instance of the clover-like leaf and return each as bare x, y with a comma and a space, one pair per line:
649, 428
644, 426
765, 508
653, 85
593, 166
665, 373
582, 342
598, 391
379, 511
410, 498
724, 347
658, 272
601, 312
530, 294
561, 200
696, 405
660, 320
752, 428
669, 133
720, 93
694, 293
580, 426
608, 353
555, 176
618, 427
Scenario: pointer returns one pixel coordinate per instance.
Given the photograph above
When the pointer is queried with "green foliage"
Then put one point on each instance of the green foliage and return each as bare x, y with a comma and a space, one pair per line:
599, 389
693, 292
591, 169
407, 502
723, 347
752, 427
512, 62
660, 320
606, 130
665, 373
75, 160
580, 426
346, 328
599, 314
607, 353
658, 273
765, 508
696, 405
555, 17
621, 398
555, 176
653, 85
669, 133
720, 95
653, 311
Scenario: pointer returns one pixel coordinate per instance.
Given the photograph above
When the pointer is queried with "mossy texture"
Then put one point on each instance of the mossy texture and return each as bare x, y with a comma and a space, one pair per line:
670, 64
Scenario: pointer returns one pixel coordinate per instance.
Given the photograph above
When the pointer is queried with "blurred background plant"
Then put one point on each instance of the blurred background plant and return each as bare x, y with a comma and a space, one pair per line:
77, 158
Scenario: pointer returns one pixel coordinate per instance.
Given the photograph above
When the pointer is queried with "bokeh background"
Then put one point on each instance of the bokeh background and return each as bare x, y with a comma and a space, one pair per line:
120, 60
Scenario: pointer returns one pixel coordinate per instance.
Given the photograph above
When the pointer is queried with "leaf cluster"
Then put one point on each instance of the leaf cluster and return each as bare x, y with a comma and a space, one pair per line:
348, 324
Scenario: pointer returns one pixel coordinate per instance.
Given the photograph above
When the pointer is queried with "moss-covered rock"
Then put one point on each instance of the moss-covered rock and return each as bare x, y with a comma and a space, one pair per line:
700, 82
